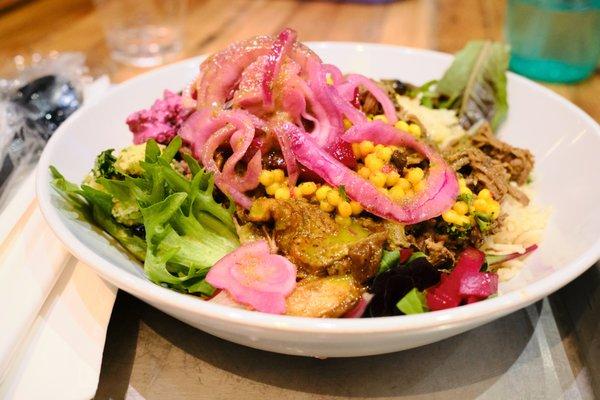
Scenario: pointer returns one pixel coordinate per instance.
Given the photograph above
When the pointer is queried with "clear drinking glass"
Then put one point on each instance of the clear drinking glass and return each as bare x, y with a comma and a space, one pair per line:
554, 40
142, 33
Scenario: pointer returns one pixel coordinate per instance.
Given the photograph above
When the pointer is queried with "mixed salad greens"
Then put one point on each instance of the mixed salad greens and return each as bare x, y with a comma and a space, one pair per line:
276, 183
172, 222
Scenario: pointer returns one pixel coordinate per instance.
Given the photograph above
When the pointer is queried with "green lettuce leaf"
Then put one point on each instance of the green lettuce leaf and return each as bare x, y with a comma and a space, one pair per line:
388, 260
474, 85
186, 229
413, 302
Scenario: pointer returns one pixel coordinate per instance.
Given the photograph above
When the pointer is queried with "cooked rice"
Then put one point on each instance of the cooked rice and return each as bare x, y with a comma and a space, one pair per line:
522, 226
442, 125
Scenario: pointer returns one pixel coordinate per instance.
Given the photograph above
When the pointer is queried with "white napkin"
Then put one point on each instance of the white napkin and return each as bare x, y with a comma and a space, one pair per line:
54, 311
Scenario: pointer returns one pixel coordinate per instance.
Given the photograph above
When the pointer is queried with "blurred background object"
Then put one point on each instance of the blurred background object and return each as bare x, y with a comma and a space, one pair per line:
554, 40
37, 95
143, 33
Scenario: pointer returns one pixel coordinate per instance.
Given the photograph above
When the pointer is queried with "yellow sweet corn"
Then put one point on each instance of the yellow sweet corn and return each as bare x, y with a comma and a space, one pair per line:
392, 178
414, 130
364, 172
321, 193
384, 153
278, 175
325, 206
373, 162
397, 193
272, 188
378, 179
366, 147
266, 177
307, 188
414, 175
333, 198
344, 209
356, 207
461, 207
402, 125
282, 193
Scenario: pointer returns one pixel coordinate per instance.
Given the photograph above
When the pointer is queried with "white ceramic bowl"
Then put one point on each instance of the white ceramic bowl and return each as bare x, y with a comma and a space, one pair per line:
565, 141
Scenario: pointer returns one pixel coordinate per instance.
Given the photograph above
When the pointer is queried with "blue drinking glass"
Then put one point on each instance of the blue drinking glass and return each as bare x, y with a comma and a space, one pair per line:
554, 40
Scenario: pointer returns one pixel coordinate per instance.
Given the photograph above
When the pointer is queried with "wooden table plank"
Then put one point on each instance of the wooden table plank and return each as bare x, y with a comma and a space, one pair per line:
446, 25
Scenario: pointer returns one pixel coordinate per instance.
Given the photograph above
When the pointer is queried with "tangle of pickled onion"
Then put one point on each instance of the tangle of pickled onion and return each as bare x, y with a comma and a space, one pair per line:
266, 92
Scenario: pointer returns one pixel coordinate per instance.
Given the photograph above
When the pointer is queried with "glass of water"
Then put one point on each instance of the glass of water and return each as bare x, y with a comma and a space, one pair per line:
554, 40
143, 33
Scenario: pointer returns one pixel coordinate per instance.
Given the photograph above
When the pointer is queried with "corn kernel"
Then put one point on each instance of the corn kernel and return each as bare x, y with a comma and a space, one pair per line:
266, 177
373, 163
356, 150
278, 175
366, 147
461, 207
402, 125
344, 209
451, 217
403, 183
419, 186
392, 178
494, 209
356, 207
414, 175
396, 193
282, 193
463, 220
347, 124
484, 194
378, 179
384, 153
480, 205
343, 221
414, 130
272, 188
364, 172
380, 117
321, 193
325, 206
307, 188
333, 198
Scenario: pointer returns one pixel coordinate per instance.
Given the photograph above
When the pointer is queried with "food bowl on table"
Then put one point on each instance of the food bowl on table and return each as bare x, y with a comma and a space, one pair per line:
564, 140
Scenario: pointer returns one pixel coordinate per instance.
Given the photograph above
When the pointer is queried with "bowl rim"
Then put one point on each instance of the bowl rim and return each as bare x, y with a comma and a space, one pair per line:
195, 308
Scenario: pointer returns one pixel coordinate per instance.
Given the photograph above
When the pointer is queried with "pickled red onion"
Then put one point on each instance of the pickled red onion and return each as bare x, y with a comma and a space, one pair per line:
253, 276
441, 187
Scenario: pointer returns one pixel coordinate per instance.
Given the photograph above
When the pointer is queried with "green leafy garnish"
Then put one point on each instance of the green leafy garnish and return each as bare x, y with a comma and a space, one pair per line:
342, 192
415, 255
413, 302
466, 197
388, 260
474, 85
484, 221
105, 165
186, 230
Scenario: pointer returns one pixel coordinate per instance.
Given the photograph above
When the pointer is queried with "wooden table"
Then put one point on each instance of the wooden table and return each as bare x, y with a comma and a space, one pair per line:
150, 355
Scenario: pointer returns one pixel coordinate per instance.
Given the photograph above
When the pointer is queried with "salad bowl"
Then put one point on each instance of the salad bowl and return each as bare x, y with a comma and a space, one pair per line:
564, 140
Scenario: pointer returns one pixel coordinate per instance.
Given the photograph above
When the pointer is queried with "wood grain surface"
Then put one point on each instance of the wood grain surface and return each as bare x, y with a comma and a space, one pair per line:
150, 355
446, 25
